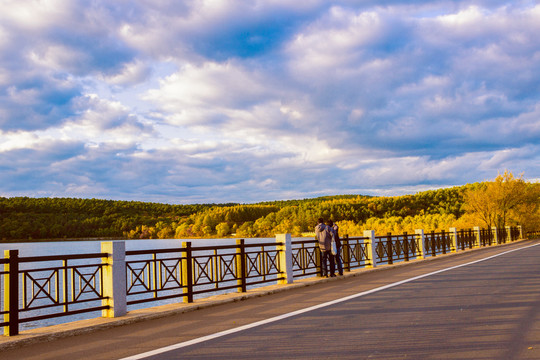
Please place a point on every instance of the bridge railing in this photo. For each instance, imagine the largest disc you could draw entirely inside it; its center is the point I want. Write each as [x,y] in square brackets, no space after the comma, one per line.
[44,287]
[6,298]
[355,252]
[306,258]
[189,271]
[466,239]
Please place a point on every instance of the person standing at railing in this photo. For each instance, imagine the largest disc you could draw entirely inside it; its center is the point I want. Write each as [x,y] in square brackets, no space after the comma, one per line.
[335,233]
[323,235]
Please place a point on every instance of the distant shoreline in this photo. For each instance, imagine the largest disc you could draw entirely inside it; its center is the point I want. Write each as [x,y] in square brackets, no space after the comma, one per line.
[11,241]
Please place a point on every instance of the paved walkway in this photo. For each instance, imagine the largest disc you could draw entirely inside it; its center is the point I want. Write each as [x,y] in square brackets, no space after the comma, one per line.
[368,328]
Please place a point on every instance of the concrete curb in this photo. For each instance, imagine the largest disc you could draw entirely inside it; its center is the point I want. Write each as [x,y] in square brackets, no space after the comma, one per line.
[50,333]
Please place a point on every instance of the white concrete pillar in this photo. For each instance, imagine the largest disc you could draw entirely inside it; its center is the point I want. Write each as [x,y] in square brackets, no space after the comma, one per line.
[477,230]
[508,234]
[421,241]
[114,278]
[284,246]
[495,235]
[453,233]
[371,248]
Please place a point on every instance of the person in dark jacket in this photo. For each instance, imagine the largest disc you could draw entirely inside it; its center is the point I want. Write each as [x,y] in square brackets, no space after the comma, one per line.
[337,257]
[323,235]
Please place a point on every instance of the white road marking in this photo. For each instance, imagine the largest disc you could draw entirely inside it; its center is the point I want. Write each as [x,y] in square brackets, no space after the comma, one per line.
[302,311]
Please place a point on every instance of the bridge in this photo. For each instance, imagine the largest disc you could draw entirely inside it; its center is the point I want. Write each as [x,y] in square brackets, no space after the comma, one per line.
[478,303]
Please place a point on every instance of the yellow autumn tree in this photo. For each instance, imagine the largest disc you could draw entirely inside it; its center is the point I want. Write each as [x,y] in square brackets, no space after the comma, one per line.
[501,202]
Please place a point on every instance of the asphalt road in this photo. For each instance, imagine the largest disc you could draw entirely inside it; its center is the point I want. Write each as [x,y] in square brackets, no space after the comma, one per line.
[484,309]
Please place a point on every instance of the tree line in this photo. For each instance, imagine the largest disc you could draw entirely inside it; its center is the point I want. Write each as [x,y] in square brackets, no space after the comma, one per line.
[506,200]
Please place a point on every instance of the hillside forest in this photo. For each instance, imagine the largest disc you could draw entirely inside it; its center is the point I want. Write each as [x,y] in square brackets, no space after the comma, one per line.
[505,200]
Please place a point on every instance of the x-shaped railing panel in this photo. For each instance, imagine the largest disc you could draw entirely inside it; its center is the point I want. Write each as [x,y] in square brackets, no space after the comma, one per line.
[170,270]
[41,288]
[139,276]
[203,269]
[303,258]
[228,267]
[88,283]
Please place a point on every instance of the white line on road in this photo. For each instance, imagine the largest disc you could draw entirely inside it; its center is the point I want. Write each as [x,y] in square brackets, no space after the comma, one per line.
[302,311]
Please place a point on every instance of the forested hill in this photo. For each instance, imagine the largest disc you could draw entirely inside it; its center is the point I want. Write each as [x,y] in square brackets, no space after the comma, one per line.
[48,218]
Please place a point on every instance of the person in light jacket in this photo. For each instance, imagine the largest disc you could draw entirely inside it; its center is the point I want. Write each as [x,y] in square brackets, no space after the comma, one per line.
[335,233]
[323,235]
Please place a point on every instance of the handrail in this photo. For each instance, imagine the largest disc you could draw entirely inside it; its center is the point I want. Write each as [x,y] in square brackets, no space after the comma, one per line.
[77,283]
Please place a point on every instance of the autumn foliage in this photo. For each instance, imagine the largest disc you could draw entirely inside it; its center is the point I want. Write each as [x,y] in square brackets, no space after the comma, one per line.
[507,200]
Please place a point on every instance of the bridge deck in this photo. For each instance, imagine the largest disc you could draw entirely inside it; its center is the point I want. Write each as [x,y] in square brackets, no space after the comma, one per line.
[489,309]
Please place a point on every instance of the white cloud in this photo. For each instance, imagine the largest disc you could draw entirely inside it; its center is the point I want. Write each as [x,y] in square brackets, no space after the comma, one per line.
[34,15]
[131,74]
[215,101]
[211,85]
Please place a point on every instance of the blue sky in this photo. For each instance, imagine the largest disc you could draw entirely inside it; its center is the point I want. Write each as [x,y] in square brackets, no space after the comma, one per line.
[246,101]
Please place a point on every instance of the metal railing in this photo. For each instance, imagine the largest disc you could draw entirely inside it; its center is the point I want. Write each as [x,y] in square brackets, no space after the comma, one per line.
[438,243]
[354,253]
[392,248]
[53,286]
[306,258]
[4,308]
[466,239]
[44,287]
[185,272]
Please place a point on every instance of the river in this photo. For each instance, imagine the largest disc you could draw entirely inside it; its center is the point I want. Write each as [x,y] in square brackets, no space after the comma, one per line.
[28,249]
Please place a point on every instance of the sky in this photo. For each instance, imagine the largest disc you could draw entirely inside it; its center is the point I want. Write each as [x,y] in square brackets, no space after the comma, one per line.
[217,101]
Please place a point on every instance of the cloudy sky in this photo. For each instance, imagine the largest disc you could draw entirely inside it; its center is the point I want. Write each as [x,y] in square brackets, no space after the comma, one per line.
[245,101]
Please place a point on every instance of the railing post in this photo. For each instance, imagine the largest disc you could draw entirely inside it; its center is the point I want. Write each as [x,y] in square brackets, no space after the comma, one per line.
[318,259]
[443,241]
[346,253]
[370,248]
[241,265]
[11,293]
[114,278]
[462,236]
[406,245]
[477,230]
[187,272]
[389,248]
[433,244]
[453,232]
[421,248]
[284,248]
